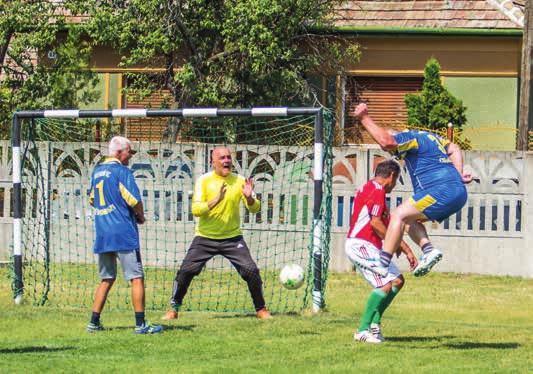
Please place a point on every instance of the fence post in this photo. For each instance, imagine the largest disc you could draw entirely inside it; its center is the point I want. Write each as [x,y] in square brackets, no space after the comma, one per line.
[528,210]
[449,132]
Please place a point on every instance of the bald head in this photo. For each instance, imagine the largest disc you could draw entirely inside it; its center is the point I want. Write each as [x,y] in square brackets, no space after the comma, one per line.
[221,160]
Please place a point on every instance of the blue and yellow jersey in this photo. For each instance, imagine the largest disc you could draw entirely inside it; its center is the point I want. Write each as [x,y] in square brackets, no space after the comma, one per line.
[426,159]
[224,220]
[113,194]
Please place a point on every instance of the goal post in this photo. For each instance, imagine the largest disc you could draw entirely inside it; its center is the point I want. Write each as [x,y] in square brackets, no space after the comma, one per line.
[279,209]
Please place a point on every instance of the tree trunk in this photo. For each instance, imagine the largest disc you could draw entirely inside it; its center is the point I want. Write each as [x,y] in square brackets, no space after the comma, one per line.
[525,121]
[3,49]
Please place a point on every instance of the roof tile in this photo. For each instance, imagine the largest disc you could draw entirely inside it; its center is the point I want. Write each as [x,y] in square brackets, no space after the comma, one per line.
[421,13]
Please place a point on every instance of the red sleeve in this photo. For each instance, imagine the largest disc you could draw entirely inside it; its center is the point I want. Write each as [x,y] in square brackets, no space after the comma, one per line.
[376,204]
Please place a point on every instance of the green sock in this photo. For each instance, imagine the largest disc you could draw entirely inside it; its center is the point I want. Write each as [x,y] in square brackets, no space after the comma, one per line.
[384,305]
[374,300]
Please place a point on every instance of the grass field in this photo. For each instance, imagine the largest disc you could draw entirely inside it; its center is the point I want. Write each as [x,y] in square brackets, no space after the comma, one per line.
[441,323]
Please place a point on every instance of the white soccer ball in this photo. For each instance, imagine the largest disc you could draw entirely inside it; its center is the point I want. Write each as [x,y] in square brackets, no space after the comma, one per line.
[292,276]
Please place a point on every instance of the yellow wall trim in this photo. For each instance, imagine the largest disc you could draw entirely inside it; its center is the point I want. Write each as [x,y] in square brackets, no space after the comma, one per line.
[420,73]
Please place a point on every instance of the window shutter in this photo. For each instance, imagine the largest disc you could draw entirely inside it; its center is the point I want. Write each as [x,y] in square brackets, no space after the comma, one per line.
[385,99]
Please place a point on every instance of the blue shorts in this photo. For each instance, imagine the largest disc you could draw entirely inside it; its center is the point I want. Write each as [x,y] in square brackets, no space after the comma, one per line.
[440,202]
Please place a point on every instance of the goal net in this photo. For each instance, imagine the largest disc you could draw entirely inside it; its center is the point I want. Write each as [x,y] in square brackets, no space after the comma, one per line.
[281,149]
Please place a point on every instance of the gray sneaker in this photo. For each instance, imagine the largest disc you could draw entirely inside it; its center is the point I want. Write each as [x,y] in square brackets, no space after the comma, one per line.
[366,337]
[426,262]
[375,329]
[94,327]
[147,328]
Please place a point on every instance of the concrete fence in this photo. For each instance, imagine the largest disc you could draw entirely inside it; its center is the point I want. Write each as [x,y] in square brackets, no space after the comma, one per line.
[493,234]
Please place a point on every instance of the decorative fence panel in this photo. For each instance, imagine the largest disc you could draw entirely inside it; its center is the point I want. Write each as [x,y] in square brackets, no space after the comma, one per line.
[495,208]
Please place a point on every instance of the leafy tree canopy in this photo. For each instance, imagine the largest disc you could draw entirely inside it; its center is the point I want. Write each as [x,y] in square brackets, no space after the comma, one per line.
[41,66]
[226,53]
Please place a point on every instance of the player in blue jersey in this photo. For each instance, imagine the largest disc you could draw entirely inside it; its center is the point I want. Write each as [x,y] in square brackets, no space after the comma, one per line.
[118,209]
[435,166]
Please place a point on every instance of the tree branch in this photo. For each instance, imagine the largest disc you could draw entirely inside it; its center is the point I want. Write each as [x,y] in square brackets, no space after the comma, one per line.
[3,48]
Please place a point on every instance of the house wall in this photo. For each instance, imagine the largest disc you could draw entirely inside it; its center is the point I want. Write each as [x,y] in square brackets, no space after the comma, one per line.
[458,55]
[492,110]
[482,71]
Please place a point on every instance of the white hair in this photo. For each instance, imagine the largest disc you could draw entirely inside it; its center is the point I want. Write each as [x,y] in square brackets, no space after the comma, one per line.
[118,143]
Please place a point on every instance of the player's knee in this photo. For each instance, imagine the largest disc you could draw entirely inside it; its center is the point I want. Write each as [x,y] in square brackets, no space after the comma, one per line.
[386,288]
[137,281]
[108,281]
[396,216]
[398,282]
[189,270]
[250,272]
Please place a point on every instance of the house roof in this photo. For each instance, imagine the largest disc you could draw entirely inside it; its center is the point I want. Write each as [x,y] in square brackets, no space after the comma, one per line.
[444,14]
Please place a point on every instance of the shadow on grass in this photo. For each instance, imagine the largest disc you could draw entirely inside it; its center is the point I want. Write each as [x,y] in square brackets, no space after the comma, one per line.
[475,345]
[234,315]
[307,332]
[35,349]
[231,315]
[407,339]
[165,328]
[460,345]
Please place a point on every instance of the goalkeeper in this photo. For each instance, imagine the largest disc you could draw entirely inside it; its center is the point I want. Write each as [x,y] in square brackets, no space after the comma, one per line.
[216,202]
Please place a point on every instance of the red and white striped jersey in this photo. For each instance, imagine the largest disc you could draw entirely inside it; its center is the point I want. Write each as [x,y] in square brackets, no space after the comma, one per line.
[369,202]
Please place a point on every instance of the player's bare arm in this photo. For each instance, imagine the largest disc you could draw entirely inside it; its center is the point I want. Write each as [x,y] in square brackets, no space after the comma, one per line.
[378,226]
[379,134]
[456,157]
[404,248]
[248,191]
[138,210]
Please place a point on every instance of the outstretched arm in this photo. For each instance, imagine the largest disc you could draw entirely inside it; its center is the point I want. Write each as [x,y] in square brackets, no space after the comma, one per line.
[456,157]
[379,134]
[252,204]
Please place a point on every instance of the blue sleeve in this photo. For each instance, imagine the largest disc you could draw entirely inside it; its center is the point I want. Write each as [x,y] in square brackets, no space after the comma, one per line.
[407,142]
[128,188]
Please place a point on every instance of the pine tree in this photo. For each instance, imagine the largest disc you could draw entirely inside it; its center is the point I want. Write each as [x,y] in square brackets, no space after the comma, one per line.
[435,106]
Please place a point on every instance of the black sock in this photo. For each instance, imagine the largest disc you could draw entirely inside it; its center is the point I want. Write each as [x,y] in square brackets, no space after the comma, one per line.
[428,247]
[95,318]
[139,318]
[385,258]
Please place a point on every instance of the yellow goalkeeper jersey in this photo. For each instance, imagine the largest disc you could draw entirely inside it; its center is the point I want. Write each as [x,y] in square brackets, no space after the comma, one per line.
[224,220]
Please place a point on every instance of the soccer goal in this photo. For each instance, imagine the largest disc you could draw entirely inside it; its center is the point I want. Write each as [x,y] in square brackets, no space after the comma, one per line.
[287,152]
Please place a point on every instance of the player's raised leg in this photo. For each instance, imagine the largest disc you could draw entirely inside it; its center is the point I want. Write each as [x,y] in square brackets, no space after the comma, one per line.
[430,255]
[404,214]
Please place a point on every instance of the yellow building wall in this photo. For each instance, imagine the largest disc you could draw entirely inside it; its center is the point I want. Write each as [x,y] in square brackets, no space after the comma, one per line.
[458,56]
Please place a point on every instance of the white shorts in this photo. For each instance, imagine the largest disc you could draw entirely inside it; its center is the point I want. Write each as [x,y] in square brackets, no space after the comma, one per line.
[368,251]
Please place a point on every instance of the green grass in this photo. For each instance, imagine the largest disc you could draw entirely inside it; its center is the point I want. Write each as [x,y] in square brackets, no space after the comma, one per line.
[441,323]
